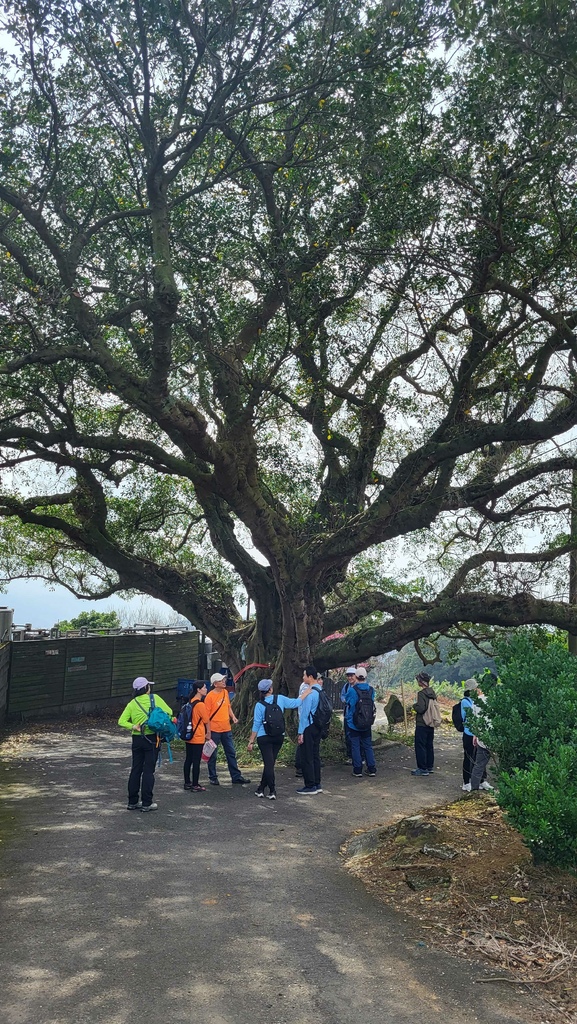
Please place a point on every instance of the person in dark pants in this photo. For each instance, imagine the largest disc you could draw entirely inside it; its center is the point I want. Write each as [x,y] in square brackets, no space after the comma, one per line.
[269,746]
[199,733]
[145,748]
[351,679]
[469,751]
[309,737]
[424,734]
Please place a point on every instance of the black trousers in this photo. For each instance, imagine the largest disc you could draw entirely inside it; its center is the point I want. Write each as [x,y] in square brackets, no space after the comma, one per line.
[141,778]
[311,756]
[469,753]
[424,753]
[269,747]
[192,759]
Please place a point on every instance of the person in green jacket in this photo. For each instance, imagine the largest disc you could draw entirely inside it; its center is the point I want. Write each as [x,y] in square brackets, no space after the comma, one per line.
[144,745]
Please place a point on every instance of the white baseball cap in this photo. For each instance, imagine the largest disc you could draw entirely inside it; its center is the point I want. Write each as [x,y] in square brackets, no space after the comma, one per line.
[351,671]
[216,677]
[361,673]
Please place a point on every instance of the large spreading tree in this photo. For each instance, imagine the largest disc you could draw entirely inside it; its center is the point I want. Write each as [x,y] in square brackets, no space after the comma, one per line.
[288,288]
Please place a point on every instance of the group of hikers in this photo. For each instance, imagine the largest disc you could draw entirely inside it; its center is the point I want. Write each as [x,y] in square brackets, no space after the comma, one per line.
[475,753]
[207,720]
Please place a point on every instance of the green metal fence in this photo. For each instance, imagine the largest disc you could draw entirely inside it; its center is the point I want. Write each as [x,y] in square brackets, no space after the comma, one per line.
[49,675]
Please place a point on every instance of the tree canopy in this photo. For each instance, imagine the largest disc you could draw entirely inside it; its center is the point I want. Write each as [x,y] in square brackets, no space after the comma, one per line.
[91,620]
[288,292]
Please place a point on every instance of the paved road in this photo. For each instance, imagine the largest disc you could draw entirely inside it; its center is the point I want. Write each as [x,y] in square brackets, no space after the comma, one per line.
[218,907]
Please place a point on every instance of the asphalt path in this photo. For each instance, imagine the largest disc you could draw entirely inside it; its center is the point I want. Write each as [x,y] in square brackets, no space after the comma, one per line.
[217,907]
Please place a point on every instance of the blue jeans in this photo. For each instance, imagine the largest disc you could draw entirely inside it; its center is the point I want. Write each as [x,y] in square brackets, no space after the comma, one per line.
[361,746]
[229,752]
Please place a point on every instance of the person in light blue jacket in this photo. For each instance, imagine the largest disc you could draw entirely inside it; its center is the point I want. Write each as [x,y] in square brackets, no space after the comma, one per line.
[269,746]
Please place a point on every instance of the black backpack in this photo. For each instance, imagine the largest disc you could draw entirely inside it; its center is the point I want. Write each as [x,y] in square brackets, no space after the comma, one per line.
[273,720]
[323,713]
[457,716]
[364,711]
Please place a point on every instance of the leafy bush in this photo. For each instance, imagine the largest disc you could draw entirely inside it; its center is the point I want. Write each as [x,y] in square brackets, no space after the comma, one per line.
[529,722]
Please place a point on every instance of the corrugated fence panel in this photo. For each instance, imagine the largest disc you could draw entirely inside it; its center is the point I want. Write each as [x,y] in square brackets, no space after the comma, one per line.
[4,679]
[37,675]
[133,656]
[88,671]
[174,656]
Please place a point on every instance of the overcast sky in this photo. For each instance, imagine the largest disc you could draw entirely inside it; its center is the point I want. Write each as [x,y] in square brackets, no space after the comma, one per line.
[33,602]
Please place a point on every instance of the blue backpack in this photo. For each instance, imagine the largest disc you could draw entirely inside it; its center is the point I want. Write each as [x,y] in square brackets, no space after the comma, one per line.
[161,723]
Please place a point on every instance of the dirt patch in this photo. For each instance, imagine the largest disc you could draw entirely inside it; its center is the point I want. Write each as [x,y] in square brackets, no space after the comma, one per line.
[14,739]
[464,874]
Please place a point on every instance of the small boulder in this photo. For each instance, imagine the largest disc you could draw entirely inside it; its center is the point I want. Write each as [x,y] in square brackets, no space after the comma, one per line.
[394,709]
[442,851]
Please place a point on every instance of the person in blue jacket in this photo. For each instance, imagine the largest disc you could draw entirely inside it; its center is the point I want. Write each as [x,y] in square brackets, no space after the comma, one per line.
[269,746]
[351,679]
[469,751]
[361,736]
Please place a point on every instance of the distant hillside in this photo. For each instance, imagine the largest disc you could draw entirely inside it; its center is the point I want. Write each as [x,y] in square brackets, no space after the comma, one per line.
[460,660]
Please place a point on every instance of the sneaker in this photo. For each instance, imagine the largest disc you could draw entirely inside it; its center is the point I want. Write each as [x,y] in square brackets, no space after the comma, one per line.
[214,782]
[466,787]
[241,782]
[357,775]
[370,771]
[258,792]
[271,796]
[419,771]
[307,791]
[187,785]
[319,789]
[134,807]
[199,789]
[149,807]
[349,760]
[486,786]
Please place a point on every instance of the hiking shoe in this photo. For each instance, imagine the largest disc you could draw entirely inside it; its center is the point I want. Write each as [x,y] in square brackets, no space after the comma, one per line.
[357,775]
[149,807]
[307,791]
[466,787]
[214,782]
[258,792]
[271,796]
[199,789]
[134,807]
[370,771]
[419,771]
[187,785]
[486,786]
[241,782]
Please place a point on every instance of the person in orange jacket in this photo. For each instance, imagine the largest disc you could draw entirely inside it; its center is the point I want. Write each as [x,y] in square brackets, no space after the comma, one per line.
[221,715]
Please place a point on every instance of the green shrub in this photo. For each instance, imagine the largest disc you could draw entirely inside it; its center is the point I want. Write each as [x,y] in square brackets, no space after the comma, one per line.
[541,802]
[529,722]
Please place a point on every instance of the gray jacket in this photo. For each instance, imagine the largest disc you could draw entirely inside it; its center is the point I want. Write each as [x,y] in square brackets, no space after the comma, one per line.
[422,703]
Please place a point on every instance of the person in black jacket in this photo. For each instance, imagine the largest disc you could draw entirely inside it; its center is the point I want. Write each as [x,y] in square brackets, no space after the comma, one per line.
[424,734]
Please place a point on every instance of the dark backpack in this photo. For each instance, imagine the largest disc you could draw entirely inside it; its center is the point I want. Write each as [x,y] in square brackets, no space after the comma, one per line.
[323,713]
[184,722]
[457,716]
[273,720]
[364,711]
[184,719]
